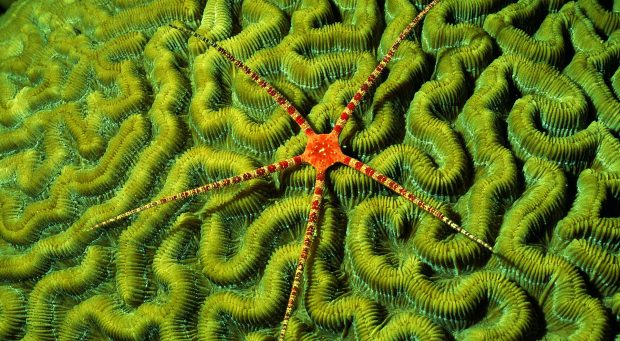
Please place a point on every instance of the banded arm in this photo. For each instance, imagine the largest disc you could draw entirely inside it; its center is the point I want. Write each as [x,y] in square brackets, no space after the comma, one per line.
[311,231]
[400,190]
[370,81]
[285,104]
[259,172]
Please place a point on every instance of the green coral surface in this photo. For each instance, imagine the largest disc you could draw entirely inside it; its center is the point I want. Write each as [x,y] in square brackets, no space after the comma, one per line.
[504,115]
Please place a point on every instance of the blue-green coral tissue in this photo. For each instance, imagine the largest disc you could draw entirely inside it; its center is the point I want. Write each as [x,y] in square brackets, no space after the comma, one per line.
[504,116]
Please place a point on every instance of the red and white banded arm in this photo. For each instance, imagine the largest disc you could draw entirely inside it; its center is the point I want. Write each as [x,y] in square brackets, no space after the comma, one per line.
[400,190]
[311,231]
[285,104]
[370,81]
[259,172]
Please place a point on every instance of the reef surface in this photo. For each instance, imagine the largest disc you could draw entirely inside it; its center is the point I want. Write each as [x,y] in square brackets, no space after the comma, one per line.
[504,115]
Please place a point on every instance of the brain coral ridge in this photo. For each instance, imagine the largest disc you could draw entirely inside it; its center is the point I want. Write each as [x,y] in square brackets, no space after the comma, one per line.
[504,116]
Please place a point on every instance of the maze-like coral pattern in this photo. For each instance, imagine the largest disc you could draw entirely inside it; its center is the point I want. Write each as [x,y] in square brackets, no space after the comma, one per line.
[504,115]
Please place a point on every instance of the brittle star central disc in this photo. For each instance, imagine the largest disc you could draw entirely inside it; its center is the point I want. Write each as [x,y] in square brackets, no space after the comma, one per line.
[322,151]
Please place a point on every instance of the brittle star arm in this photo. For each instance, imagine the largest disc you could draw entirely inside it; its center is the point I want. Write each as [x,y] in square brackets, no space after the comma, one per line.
[259,172]
[368,83]
[285,104]
[400,190]
[311,231]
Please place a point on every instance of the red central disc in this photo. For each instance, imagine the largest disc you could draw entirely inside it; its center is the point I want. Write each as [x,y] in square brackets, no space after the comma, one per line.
[322,151]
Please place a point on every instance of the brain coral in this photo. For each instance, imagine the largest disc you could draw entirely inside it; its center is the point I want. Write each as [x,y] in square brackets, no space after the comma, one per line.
[503,115]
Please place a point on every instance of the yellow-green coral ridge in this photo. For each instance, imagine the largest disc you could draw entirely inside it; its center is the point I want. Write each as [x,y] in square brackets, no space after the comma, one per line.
[504,116]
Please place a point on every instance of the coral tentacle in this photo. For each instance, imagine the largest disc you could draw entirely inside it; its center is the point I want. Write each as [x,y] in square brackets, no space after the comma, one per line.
[402,191]
[259,172]
[284,103]
[311,231]
[370,81]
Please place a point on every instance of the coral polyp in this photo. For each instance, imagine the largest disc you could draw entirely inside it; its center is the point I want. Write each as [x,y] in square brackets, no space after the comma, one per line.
[259,169]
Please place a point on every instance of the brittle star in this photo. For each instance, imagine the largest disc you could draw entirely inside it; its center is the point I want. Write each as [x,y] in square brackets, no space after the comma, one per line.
[322,151]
